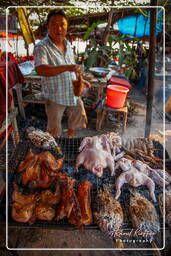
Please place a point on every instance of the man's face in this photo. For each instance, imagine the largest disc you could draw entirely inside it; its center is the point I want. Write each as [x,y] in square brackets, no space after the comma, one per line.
[57,27]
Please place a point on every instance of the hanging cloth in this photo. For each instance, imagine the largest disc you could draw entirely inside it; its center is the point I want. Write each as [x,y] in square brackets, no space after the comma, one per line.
[25,26]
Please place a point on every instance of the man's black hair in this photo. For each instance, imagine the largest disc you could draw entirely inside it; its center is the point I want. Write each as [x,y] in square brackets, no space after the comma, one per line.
[54,13]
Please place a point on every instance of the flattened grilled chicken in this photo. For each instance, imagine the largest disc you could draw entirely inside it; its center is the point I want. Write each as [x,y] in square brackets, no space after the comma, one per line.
[50,162]
[84,198]
[28,162]
[167,206]
[23,212]
[28,208]
[134,178]
[109,216]
[44,212]
[23,206]
[48,197]
[40,169]
[143,214]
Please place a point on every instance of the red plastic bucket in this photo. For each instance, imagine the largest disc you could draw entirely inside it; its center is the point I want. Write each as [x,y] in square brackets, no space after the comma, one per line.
[116,96]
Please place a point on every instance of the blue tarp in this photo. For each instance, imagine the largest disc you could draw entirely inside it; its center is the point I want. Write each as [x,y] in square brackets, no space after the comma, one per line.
[139,25]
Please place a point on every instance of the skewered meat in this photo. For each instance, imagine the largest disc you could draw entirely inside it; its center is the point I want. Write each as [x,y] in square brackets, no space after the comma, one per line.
[167,206]
[84,198]
[155,174]
[109,216]
[143,214]
[43,139]
[134,178]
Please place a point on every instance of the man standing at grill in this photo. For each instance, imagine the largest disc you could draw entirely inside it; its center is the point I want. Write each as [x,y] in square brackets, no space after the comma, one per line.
[54,61]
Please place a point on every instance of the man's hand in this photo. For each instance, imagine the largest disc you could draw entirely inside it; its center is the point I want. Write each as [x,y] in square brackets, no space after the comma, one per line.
[74,68]
[86,84]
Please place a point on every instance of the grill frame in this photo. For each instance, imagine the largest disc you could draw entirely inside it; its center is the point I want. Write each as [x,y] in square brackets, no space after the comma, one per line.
[70,148]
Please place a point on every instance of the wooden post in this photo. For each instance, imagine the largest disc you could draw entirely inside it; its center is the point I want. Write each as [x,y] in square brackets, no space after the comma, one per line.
[151,71]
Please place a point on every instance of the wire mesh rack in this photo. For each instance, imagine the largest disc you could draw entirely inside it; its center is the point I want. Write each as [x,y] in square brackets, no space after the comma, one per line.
[70,147]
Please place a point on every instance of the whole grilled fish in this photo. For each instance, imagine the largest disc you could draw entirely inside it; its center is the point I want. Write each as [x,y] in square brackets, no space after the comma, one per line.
[43,139]
[109,216]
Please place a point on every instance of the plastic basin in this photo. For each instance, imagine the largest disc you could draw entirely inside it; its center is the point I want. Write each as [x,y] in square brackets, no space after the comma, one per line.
[116,96]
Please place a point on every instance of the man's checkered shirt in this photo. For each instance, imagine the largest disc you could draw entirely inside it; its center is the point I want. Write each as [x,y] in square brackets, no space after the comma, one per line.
[58,88]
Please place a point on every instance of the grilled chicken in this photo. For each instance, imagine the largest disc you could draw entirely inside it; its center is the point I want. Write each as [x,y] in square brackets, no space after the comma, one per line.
[44,212]
[28,162]
[23,206]
[18,197]
[84,198]
[109,216]
[43,139]
[39,170]
[23,212]
[134,178]
[49,197]
[143,215]
[28,208]
[50,162]
[167,206]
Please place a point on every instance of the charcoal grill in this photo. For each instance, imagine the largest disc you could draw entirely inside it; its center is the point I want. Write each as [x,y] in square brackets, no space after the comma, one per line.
[70,147]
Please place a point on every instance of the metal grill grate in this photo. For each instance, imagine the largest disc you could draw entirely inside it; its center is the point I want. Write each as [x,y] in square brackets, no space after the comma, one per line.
[70,150]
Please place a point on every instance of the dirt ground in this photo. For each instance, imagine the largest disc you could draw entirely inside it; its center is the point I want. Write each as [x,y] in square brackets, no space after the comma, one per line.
[88,239]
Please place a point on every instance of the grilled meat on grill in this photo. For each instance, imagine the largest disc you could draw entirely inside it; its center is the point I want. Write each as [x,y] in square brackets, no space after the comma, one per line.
[23,206]
[28,162]
[109,216]
[44,212]
[20,198]
[167,206]
[50,162]
[39,170]
[134,178]
[69,206]
[143,214]
[42,139]
[67,200]
[23,212]
[28,208]
[84,198]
